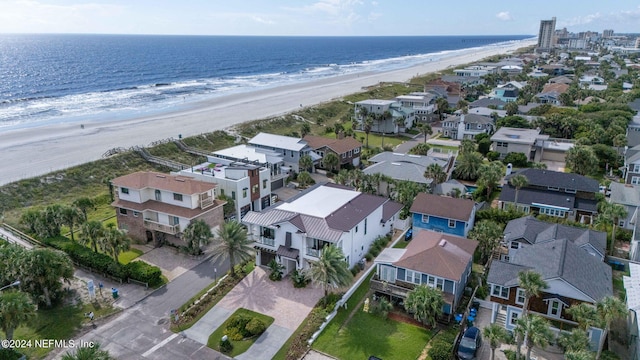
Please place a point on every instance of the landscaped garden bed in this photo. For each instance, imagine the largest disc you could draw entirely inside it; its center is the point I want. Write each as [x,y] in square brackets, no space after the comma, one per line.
[242,329]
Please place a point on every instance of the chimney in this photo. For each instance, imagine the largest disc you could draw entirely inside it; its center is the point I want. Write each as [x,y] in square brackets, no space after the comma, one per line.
[443,242]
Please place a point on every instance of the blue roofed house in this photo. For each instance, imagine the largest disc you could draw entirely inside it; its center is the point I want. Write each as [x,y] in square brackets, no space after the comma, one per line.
[438,260]
[443,214]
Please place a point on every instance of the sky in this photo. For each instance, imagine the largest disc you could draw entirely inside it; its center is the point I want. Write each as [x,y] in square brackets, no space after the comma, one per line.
[315,17]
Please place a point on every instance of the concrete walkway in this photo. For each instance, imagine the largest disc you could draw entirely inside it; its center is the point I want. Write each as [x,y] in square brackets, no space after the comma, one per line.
[129,294]
[287,305]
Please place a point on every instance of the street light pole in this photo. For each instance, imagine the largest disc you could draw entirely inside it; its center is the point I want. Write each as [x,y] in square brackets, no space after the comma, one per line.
[15,283]
[215,272]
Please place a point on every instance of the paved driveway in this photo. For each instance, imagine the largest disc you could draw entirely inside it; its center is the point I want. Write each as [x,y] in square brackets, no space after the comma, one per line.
[287,305]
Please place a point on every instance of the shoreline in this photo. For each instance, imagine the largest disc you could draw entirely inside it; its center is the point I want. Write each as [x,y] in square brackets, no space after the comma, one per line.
[35,151]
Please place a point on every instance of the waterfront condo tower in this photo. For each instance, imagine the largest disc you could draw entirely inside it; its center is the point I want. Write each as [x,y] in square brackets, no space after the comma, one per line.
[545,36]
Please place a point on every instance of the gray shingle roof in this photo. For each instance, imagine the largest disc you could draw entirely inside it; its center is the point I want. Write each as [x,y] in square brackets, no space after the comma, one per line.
[558,179]
[486,102]
[442,206]
[529,196]
[535,231]
[505,274]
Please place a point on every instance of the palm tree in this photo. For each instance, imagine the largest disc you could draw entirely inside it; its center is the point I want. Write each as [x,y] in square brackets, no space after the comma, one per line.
[304,129]
[610,213]
[15,309]
[342,177]
[337,128]
[84,204]
[495,335]
[70,216]
[488,233]
[330,160]
[437,175]
[518,181]
[535,330]
[532,284]
[305,163]
[579,355]
[490,174]
[442,105]
[92,234]
[330,270]
[584,314]
[367,125]
[468,166]
[608,309]
[304,179]
[425,129]
[88,353]
[116,241]
[232,243]
[467,146]
[42,270]
[574,341]
[425,303]
[196,234]
[399,122]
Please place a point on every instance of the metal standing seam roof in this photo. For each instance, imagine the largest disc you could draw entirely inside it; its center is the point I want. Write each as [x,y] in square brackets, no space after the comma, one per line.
[442,206]
[632,287]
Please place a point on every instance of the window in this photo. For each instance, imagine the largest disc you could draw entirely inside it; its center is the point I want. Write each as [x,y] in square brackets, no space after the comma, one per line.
[635,180]
[553,212]
[255,188]
[124,190]
[431,281]
[500,291]
[552,188]
[291,153]
[570,191]
[264,183]
[554,308]
[515,245]
[425,218]
[158,195]
[174,220]
[365,226]
[135,214]
[621,223]
[221,191]
[356,228]
[244,192]
[514,318]
[123,211]
[356,150]
[440,284]
[452,223]
[520,297]
[636,168]
[233,195]
[412,277]
[177,197]
[387,273]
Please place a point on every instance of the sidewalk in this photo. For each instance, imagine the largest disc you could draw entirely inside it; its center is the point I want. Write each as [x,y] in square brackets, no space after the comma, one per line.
[129,294]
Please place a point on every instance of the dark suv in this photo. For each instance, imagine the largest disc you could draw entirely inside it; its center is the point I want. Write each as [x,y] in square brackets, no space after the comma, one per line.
[469,344]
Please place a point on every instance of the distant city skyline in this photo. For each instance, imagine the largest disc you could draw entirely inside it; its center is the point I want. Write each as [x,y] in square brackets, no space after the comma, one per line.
[314,17]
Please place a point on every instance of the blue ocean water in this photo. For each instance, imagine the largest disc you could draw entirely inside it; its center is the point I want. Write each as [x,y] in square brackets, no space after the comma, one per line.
[55,78]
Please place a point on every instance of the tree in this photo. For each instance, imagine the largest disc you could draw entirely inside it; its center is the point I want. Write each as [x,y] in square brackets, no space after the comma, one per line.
[92,234]
[566,100]
[437,175]
[574,341]
[442,106]
[88,353]
[488,234]
[115,242]
[425,129]
[84,204]
[304,179]
[495,335]
[70,215]
[516,159]
[304,129]
[330,160]
[425,303]
[518,181]
[229,208]
[196,234]
[608,309]
[337,129]
[41,272]
[584,314]
[468,166]
[399,122]
[484,146]
[579,355]
[532,283]
[305,163]
[511,108]
[582,160]
[490,174]
[367,125]
[232,243]
[467,146]
[330,270]
[420,149]
[535,330]
[610,213]
[15,309]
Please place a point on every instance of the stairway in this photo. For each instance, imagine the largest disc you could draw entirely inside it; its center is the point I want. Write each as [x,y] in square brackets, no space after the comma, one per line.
[501,319]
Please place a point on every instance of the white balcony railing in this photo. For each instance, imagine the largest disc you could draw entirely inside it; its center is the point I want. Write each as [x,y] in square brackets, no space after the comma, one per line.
[267,241]
[313,252]
[165,228]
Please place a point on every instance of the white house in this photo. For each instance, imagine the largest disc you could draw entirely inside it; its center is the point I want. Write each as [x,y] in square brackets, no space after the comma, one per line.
[296,231]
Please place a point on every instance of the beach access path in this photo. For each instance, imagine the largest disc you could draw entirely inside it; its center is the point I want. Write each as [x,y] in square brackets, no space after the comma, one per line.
[36,151]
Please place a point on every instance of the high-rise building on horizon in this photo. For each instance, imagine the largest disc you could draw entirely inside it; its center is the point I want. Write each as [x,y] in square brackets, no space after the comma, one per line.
[607,33]
[545,36]
[638,43]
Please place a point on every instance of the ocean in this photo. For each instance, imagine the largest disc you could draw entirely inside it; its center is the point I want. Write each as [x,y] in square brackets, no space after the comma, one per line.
[48,79]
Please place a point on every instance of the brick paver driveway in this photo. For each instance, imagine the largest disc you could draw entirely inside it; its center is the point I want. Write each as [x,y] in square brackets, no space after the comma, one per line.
[279,299]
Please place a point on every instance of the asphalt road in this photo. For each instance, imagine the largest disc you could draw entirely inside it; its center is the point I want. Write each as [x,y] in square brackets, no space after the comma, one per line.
[142,331]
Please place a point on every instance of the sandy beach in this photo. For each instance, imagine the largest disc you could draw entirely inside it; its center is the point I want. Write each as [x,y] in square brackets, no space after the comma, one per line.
[36,151]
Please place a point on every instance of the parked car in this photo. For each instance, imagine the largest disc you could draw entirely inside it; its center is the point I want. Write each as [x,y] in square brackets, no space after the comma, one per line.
[408,235]
[469,344]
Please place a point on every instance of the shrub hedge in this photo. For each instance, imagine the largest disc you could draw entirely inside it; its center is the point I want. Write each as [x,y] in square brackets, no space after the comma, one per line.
[136,270]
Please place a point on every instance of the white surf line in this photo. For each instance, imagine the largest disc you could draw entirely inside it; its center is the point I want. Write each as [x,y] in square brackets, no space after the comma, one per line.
[159,345]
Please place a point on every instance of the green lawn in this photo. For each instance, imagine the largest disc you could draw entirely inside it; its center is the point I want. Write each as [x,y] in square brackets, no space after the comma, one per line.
[401,244]
[56,323]
[366,334]
[238,346]
[125,257]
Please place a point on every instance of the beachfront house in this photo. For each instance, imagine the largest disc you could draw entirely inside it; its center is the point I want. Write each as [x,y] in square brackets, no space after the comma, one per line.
[291,148]
[467,126]
[435,259]
[347,149]
[248,185]
[295,231]
[152,206]
[448,215]
[384,115]
[570,260]
[270,159]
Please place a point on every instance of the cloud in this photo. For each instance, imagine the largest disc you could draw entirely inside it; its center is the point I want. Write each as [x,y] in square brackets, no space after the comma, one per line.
[261,20]
[504,16]
[618,18]
[343,12]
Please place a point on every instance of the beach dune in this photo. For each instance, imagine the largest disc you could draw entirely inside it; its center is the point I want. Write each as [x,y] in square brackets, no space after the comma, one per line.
[36,151]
